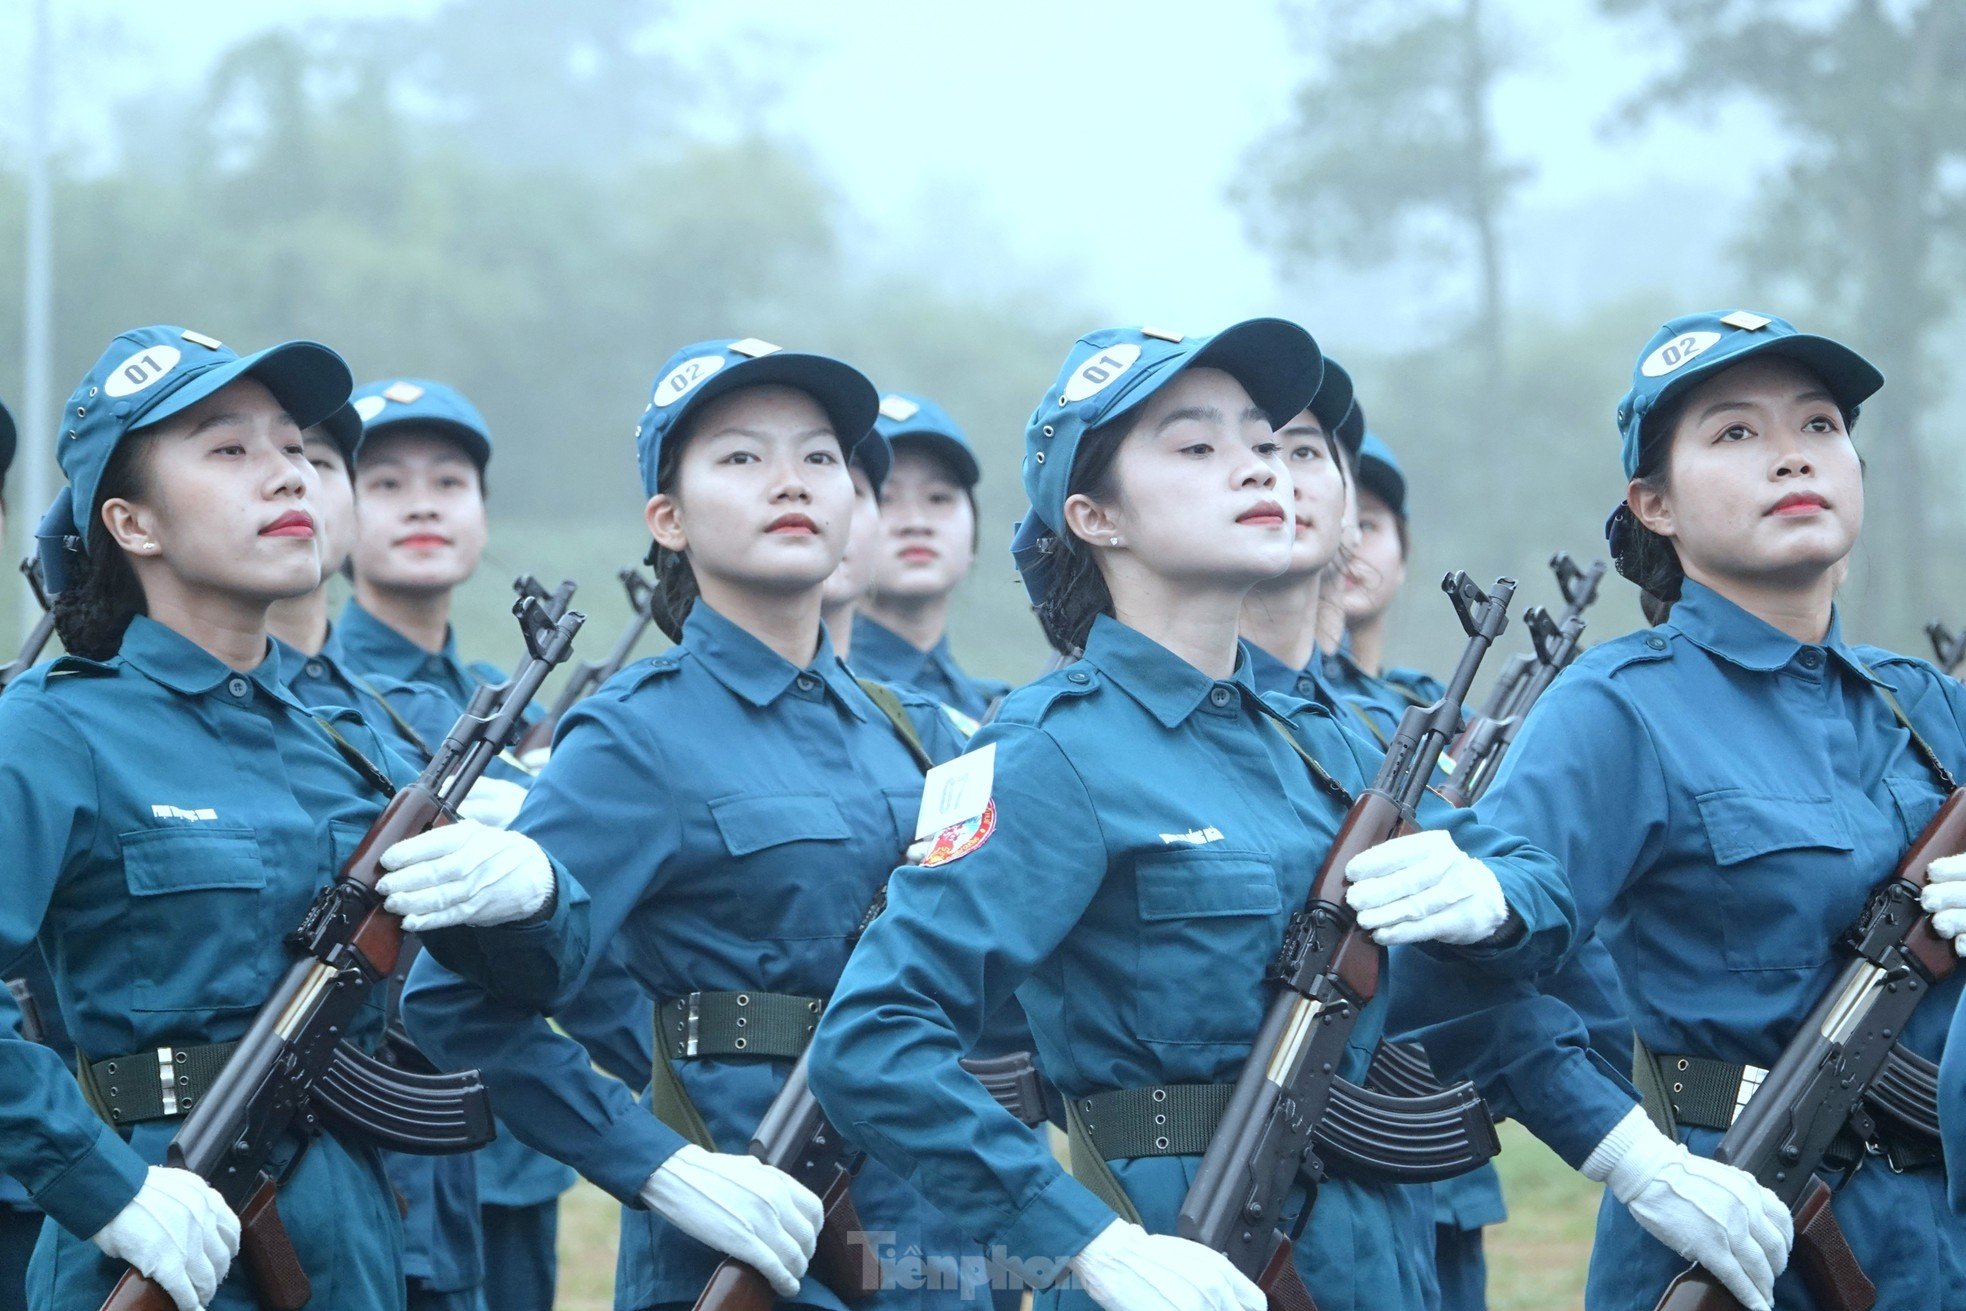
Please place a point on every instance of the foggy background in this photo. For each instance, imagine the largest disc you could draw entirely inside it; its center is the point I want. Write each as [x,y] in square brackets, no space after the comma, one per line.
[1481,207]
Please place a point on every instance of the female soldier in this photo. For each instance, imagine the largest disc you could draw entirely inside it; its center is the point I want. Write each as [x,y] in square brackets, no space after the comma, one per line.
[171,812]
[1279,617]
[928,526]
[737,801]
[1725,789]
[1147,800]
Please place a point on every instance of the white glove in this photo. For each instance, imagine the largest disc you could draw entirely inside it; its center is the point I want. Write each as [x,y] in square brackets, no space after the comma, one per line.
[741,1207]
[1125,1268]
[1945,897]
[465,873]
[1705,1211]
[178,1232]
[1423,888]
[492,801]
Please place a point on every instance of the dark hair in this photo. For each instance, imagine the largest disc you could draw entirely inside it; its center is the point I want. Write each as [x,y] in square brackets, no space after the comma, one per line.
[1078,592]
[94,610]
[675,581]
[1640,555]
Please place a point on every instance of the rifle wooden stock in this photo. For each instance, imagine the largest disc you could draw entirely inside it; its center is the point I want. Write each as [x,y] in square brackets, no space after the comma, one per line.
[841,1260]
[1822,1257]
[279,1282]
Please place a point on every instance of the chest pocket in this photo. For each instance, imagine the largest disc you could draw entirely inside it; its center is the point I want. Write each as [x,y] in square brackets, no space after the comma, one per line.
[905,805]
[1208,927]
[1782,866]
[196,940]
[752,824]
[1917,800]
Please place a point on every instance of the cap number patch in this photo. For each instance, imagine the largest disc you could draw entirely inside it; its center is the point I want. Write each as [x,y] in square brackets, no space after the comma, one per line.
[368,407]
[683,379]
[1099,372]
[141,370]
[1676,352]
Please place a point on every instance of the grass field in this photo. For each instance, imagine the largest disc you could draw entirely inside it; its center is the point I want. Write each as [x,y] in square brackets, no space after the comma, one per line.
[1535,1262]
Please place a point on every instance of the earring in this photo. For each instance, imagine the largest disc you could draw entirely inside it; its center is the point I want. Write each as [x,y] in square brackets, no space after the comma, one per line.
[1114,541]
[150,546]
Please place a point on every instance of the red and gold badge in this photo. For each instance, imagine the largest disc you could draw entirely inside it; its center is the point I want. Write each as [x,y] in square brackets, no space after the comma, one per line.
[958,840]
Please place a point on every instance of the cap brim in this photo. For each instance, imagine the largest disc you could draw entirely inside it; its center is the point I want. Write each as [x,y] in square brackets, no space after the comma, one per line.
[939,445]
[9,441]
[875,458]
[474,443]
[1850,377]
[1277,363]
[1034,563]
[849,399]
[1333,402]
[344,429]
[1384,482]
[309,380]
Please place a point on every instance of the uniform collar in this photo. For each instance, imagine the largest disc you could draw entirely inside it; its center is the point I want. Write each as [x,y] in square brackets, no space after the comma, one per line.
[1169,687]
[368,644]
[166,656]
[1716,625]
[756,672]
[894,652]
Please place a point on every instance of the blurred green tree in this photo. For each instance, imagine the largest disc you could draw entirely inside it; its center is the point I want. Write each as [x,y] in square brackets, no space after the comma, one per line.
[1863,224]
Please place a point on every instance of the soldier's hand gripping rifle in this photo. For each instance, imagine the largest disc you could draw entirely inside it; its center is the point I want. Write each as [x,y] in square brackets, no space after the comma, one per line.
[292,1071]
[39,635]
[591,674]
[1817,1096]
[1327,972]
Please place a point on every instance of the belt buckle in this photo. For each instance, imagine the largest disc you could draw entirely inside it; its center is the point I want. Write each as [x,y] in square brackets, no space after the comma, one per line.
[692,1024]
[167,1079]
[1752,1077]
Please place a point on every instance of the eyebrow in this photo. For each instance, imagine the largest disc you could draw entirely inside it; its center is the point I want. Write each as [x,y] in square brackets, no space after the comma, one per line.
[756,434]
[1207,414]
[1812,396]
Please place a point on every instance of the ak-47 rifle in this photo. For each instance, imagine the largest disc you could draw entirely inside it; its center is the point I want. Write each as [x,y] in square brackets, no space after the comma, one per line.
[589,675]
[37,638]
[1579,588]
[1816,1101]
[795,1136]
[292,1069]
[1327,972]
[1471,762]
[1947,648]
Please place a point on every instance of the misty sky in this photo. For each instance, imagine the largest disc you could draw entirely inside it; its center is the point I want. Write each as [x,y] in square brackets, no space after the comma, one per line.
[1095,143]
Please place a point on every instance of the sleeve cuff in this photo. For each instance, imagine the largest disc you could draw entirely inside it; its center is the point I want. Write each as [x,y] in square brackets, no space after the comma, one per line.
[1052,1228]
[96,1187]
[527,962]
[1574,1112]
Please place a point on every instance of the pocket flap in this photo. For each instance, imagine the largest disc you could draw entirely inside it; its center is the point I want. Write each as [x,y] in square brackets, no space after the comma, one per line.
[754,823]
[1742,825]
[191,858]
[1201,884]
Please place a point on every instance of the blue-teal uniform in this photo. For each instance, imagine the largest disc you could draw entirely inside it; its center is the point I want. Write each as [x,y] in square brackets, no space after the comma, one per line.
[1377,703]
[517,1189]
[1270,674]
[1720,869]
[443,1259]
[1169,830]
[168,821]
[884,655]
[737,814]
[20,1219]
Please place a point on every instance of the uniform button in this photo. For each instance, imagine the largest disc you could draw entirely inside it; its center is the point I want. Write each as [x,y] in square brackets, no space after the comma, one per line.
[1656,642]
[1078,676]
[1812,658]
[1303,685]
[1221,696]
[236,686]
[807,682]
[315,669]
